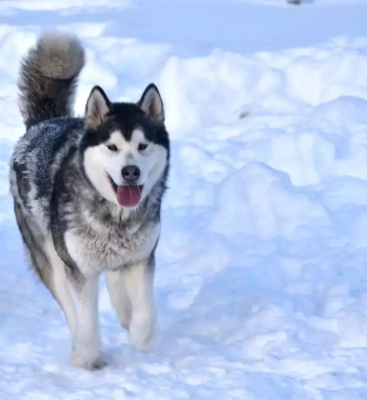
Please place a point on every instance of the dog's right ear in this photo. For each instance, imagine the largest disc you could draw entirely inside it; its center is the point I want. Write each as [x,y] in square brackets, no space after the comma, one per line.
[97,108]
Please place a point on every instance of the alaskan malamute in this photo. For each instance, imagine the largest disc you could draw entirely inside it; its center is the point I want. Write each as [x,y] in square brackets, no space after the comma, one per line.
[87,194]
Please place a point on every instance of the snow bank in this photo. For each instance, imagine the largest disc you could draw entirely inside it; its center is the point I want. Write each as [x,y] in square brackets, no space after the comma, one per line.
[260,201]
[224,84]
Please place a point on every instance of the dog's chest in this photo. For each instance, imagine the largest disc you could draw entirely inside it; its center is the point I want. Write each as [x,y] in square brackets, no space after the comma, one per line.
[97,248]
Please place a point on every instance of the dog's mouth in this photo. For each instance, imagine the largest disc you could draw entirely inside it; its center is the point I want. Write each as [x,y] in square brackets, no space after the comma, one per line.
[127,195]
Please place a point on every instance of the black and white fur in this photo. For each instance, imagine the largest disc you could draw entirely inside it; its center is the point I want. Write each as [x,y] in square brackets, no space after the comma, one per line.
[63,175]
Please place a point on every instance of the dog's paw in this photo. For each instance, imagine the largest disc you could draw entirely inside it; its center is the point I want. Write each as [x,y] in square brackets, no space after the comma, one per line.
[142,332]
[90,363]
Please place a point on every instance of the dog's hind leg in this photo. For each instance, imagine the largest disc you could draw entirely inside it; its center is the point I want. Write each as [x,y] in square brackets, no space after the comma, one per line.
[119,296]
[59,285]
[47,264]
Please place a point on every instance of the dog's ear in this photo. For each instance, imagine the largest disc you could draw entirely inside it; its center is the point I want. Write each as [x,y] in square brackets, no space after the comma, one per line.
[97,108]
[151,103]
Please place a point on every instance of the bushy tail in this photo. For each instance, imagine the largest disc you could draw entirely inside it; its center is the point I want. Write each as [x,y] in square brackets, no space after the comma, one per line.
[48,77]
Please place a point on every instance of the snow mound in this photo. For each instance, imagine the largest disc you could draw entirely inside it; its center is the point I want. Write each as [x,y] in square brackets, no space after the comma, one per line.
[260,201]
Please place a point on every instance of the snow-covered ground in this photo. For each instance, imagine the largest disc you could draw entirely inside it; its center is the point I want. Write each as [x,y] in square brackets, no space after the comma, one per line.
[261,280]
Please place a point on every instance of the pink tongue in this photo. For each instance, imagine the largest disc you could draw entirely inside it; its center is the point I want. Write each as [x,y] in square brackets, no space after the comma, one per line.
[128,195]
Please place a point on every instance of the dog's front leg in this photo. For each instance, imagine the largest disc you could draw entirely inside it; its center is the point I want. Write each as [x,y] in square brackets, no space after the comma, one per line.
[119,296]
[86,337]
[138,280]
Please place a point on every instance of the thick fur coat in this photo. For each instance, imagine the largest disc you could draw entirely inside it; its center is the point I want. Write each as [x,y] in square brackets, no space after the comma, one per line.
[87,194]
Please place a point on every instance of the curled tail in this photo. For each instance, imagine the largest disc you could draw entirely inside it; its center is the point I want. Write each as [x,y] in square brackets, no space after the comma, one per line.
[48,77]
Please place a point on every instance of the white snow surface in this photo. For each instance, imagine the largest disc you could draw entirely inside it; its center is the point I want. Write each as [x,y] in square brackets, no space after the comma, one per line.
[261,279]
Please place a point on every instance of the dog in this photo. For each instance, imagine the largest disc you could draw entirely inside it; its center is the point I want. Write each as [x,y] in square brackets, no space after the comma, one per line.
[87,194]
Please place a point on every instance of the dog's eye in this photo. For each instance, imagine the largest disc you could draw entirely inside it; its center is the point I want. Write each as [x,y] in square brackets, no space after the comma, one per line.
[142,146]
[112,147]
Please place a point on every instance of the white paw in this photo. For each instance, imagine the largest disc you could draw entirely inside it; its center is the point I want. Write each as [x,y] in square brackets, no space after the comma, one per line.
[86,352]
[142,332]
[87,361]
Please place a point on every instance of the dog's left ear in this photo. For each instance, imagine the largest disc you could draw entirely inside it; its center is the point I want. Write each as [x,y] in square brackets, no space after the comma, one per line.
[152,104]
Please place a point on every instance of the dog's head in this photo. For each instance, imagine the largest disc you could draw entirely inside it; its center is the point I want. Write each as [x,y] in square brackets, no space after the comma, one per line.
[125,146]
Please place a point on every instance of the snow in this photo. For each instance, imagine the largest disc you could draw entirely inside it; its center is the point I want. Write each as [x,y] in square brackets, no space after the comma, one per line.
[261,284]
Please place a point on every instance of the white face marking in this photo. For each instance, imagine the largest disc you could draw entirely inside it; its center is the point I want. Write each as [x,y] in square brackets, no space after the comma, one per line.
[100,163]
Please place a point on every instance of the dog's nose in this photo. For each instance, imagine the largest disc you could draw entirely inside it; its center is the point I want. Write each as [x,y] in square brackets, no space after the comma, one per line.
[130,173]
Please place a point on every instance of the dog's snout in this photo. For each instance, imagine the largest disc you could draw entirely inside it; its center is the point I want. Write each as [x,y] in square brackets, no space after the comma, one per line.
[130,173]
